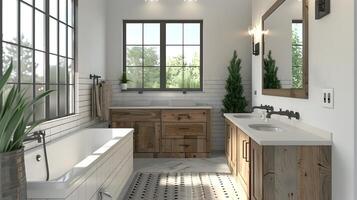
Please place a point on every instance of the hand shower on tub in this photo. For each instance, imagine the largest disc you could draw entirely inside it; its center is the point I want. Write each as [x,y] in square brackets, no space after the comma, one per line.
[40,136]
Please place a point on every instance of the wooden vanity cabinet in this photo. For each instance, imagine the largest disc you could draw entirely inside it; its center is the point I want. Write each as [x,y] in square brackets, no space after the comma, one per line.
[256,171]
[147,129]
[278,172]
[243,175]
[166,133]
[231,147]
[185,133]
[237,153]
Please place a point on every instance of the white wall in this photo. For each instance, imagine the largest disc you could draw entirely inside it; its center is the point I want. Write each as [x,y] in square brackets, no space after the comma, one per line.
[91,59]
[225,25]
[91,37]
[355,110]
[331,65]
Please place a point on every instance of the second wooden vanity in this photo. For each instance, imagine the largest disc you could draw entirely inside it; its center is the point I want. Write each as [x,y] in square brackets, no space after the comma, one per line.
[277,172]
[166,131]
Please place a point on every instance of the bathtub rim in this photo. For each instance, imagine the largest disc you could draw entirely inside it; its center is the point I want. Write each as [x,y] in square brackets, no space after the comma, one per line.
[65,188]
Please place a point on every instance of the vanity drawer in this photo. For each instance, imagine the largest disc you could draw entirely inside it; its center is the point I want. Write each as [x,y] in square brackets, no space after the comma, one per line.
[184,130]
[135,115]
[184,115]
[183,145]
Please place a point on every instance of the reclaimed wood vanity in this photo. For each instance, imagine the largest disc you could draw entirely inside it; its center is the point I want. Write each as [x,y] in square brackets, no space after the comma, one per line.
[274,166]
[174,132]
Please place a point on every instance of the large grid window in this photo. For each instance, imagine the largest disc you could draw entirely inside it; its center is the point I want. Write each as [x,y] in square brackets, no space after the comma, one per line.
[38,35]
[163,55]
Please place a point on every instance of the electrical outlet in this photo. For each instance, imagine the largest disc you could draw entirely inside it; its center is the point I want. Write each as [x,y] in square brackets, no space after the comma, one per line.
[328,98]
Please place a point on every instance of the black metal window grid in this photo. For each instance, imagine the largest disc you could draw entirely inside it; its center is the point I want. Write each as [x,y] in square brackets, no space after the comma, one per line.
[43,52]
[163,66]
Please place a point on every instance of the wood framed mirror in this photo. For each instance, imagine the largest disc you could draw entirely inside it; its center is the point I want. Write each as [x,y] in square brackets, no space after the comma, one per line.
[285,49]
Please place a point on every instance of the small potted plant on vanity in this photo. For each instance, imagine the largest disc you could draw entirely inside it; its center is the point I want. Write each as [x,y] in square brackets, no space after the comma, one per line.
[124,81]
[15,115]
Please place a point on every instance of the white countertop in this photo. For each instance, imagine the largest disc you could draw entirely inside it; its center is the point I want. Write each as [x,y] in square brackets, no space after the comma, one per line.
[161,107]
[300,135]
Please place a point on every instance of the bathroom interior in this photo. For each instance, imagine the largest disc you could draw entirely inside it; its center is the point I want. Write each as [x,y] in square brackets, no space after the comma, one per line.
[178,99]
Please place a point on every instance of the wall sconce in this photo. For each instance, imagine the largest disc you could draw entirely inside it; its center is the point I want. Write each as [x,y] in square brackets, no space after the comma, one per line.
[255,47]
[253,32]
[322,8]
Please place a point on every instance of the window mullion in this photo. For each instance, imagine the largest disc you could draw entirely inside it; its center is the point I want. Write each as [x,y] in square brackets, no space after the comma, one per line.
[67,74]
[143,57]
[33,59]
[18,43]
[183,55]
[162,55]
[47,66]
[1,60]
[58,59]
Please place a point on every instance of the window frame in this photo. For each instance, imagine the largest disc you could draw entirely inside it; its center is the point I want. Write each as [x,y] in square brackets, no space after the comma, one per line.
[163,53]
[47,53]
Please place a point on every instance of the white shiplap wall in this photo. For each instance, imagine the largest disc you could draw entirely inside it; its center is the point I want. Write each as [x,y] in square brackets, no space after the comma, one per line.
[212,95]
[60,127]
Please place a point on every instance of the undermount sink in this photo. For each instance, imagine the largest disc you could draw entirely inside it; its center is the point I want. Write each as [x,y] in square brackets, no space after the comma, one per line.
[244,116]
[265,127]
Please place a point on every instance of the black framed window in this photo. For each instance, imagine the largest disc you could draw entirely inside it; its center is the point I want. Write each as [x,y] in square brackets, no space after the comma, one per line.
[163,54]
[38,35]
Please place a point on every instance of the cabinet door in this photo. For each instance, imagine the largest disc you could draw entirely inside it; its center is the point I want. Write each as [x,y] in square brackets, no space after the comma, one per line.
[233,155]
[227,131]
[229,144]
[244,161]
[256,171]
[147,137]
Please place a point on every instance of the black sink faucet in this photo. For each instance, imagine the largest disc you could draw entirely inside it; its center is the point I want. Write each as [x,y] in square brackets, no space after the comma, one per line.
[266,107]
[288,113]
[38,135]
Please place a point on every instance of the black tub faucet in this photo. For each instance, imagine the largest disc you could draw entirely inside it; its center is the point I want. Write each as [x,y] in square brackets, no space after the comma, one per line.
[38,135]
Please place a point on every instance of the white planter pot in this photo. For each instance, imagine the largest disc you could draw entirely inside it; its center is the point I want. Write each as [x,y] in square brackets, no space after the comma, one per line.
[124,86]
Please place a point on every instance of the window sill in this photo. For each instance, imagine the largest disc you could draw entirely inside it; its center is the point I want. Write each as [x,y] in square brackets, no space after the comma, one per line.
[161,91]
[51,121]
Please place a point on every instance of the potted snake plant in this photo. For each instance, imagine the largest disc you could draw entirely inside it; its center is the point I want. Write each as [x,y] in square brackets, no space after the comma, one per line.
[124,81]
[15,114]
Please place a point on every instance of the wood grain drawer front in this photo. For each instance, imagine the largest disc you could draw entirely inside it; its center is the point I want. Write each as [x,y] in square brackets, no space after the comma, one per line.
[184,130]
[147,137]
[135,115]
[183,145]
[184,115]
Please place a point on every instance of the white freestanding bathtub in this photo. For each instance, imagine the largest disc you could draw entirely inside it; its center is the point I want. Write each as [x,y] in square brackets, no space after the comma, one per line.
[81,164]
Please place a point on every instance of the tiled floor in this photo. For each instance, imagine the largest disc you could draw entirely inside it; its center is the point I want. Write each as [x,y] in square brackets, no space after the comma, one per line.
[217,163]
[183,186]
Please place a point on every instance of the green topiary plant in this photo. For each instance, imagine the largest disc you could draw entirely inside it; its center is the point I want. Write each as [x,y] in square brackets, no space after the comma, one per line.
[15,114]
[234,101]
[270,78]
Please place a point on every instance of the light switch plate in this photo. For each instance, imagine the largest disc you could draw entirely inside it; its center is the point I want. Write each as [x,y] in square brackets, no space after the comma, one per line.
[328,98]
